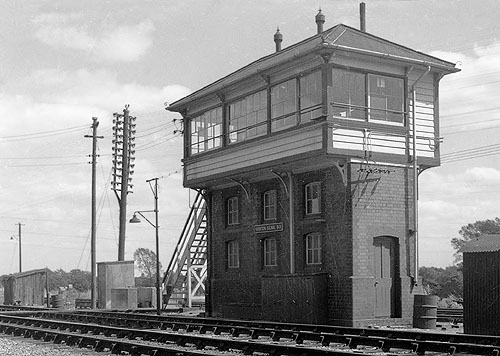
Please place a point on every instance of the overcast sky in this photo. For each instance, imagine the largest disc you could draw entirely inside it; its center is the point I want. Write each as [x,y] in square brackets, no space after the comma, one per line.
[63,62]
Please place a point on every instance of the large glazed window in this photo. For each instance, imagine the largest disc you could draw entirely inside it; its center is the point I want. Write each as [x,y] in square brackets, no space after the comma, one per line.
[310,96]
[284,105]
[248,117]
[367,96]
[348,94]
[206,131]
[385,98]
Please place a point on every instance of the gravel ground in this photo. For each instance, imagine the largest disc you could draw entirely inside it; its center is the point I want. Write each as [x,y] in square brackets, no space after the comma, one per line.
[19,346]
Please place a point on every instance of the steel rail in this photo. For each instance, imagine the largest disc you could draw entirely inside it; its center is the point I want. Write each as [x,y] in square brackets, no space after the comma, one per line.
[385,339]
[93,335]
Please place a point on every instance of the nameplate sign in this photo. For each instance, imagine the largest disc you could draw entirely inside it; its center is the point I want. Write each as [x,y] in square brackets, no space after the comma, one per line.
[274,227]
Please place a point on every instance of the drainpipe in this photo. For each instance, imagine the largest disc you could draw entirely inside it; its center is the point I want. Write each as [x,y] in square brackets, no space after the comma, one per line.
[415,169]
[291,220]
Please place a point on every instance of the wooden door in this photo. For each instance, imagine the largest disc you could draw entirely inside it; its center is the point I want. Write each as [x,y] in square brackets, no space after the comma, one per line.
[384,266]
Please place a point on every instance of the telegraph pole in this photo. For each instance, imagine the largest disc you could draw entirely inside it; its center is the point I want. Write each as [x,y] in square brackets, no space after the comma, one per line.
[20,253]
[122,169]
[94,137]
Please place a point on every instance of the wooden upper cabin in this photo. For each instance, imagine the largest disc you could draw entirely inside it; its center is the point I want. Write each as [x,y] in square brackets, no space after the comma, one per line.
[342,95]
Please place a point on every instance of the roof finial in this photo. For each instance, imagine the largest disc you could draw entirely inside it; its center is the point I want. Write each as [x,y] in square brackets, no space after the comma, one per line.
[320,20]
[278,38]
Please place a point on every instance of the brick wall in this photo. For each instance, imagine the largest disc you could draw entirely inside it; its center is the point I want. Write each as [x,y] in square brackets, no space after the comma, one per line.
[375,202]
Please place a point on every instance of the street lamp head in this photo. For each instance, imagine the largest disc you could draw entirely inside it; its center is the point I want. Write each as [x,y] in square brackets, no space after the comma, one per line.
[135,219]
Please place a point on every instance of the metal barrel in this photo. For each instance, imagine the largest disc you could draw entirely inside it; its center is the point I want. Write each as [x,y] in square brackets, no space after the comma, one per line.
[425,311]
[57,301]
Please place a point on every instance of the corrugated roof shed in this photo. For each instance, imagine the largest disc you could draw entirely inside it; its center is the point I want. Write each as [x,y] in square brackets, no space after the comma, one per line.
[484,243]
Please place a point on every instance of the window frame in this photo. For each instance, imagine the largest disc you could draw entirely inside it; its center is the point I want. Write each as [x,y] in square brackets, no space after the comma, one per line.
[259,125]
[270,252]
[270,208]
[206,131]
[365,111]
[233,254]
[286,116]
[232,211]
[310,209]
[313,253]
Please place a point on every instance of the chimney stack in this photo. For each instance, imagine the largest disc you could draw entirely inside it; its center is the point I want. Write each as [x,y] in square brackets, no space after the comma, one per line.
[278,38]
[320,20]
[362,17]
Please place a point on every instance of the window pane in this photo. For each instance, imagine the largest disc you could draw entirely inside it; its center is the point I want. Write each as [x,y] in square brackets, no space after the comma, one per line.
[310,96]
[313,198]
[386,98]
[206,131]
[284,105]
[313,249]
[348,90]
[233,258]
[270,252]
[269,201]
[232,211]
[248,117]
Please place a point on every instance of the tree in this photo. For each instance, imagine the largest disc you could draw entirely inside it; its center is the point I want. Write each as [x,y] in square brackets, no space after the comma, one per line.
[80,279]
[145,262]
[444,283]
[472,231]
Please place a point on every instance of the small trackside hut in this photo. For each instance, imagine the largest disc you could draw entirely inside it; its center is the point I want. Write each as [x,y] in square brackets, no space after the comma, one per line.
[308,160]
[481,271]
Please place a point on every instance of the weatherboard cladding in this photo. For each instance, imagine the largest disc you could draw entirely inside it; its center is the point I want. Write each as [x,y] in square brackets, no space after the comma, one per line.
[347,38]
[484,243]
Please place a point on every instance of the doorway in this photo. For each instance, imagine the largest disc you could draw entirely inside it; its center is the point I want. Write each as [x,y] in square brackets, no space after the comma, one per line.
[385,264]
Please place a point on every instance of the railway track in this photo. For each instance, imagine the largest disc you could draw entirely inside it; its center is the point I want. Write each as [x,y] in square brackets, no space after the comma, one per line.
[132,333]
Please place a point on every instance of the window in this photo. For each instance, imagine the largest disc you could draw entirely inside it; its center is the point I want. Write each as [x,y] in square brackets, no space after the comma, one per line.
[310,96]
[248,117]
[313,249]
[270,252]
[367,96]
[385,98]
[232,211]
[233,254]
[269,204]
[206,131]
[313,198]
[284,105]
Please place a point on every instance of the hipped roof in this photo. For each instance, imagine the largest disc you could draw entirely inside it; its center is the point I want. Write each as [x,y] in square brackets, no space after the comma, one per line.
[340,37]
[483,243]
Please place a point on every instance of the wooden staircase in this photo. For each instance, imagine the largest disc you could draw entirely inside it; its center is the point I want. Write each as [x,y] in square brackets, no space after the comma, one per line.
[184,279]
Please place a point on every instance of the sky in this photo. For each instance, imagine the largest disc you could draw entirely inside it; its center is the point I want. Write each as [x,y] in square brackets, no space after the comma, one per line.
[63,62]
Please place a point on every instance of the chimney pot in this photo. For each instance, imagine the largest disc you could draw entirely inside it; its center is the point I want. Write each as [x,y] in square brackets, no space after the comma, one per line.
[278,38]
[362,17]
[320,20]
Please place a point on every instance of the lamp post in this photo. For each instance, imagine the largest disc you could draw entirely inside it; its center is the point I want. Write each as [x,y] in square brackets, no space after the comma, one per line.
[136,220]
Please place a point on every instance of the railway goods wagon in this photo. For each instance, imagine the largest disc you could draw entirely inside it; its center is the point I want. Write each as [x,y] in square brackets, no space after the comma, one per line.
[26,288]
[481,271]
[308,160]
